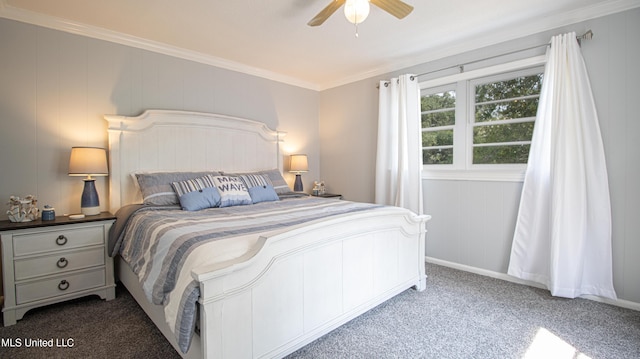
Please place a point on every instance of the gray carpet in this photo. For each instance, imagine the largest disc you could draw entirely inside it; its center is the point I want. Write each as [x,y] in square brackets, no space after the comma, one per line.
[459,315]
[99,329]
[464,315]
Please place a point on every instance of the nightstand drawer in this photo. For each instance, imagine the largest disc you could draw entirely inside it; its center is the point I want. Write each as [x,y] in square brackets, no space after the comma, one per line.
[61,262]
[59,239]
[59,285]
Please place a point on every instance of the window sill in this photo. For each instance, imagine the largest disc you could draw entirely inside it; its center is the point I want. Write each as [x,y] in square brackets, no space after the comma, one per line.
[513,175]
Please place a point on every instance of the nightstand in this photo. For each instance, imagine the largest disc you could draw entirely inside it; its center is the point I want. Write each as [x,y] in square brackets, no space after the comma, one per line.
[46,262]
[328,195]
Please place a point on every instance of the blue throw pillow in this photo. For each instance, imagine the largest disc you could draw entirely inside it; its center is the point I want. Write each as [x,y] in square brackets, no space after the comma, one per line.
[200,199]
[264,193]
[197,193]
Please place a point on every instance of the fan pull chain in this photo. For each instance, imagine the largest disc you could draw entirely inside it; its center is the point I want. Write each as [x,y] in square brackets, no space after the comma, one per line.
[356,30]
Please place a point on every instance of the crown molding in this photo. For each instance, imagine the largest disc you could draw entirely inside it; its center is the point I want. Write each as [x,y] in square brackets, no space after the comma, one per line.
[55,23]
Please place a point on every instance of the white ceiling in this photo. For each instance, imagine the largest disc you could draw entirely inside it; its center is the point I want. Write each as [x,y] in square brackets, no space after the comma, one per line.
[270,38]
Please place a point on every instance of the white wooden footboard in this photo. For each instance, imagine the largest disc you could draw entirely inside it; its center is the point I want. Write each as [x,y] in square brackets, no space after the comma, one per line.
[302,284]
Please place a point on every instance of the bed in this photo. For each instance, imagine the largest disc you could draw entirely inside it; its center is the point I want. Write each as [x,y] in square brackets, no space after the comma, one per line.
[284,272]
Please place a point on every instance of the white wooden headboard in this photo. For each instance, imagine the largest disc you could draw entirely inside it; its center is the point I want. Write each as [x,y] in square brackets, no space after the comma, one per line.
[167,140]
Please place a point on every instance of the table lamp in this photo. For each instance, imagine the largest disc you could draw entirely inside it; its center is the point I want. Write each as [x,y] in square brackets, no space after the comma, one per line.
[89,161]
[298,165]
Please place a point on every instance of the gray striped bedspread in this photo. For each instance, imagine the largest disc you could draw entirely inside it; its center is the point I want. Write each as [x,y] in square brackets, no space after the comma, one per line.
[162,246]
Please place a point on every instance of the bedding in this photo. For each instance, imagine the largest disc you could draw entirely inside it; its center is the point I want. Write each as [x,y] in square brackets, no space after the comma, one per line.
[163,244]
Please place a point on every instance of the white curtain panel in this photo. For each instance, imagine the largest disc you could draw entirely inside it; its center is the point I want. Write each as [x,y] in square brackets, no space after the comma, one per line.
[563,232]
[399,153]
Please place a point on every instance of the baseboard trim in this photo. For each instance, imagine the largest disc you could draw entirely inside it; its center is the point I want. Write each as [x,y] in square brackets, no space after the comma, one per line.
[503,276]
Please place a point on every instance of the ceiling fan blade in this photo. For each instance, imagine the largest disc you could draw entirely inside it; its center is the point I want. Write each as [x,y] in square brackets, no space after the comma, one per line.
[396,8]
[326,12]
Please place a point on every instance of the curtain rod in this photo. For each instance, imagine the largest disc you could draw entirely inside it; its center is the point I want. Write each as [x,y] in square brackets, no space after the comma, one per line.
[586,36]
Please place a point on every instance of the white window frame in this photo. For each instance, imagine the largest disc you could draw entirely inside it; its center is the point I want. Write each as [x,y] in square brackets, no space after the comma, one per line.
[458,127]
[462,168]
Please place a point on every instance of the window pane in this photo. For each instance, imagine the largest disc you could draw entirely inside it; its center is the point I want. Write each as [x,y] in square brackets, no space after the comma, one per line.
[511,99]
[503,133]
[501,154]
[437,156]
[506,110]
[517,87]
[438,109]
[437,119]
[438,101]
[437,138]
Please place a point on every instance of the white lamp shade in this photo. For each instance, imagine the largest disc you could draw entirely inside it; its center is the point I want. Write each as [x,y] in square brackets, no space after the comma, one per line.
[356,11]
[88,161]
[298,163]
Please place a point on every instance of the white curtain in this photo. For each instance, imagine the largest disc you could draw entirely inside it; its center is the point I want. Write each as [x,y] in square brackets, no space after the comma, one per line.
[563,232]
[399,155]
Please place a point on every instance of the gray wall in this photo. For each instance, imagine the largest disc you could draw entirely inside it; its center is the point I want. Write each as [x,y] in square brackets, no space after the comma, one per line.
[55,88]
[473,221]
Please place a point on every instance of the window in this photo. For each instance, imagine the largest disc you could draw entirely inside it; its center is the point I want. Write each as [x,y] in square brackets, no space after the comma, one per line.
[438,122]
[503,111]
[481,123]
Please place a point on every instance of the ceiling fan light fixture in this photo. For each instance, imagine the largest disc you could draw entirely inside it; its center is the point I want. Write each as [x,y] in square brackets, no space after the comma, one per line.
[356,11]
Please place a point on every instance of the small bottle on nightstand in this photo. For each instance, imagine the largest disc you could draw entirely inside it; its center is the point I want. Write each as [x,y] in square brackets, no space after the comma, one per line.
[48,213]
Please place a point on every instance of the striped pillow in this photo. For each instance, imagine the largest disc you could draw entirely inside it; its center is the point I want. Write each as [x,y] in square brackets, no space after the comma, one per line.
[274,175]
[255,180]
[191,185]
[156,188]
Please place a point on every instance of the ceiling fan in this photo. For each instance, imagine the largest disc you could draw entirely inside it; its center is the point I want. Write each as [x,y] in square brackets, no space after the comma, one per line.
[357,10]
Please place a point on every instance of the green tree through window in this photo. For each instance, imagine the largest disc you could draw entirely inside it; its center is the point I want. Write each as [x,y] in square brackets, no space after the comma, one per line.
[438,119]
[505,112]
[491,125]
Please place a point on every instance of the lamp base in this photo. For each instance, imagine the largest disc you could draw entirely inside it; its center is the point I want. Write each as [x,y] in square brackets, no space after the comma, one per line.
[90,203]
[297,185]
[90,211]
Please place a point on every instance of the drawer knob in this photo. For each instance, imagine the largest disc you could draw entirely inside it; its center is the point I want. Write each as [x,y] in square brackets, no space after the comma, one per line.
[62,262]
[63,285]
[61,240]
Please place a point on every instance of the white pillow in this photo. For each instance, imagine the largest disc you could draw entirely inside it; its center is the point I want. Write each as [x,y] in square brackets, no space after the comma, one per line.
[232,191]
